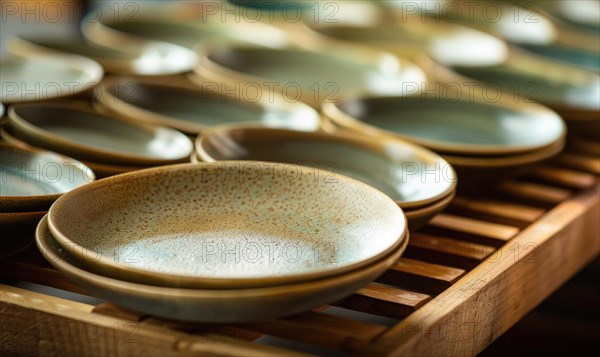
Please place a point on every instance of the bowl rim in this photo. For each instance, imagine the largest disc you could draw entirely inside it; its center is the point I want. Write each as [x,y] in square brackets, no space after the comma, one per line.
[117,269]
[367,143]
[25,204]
[107,155]
[139,114]
[338,117]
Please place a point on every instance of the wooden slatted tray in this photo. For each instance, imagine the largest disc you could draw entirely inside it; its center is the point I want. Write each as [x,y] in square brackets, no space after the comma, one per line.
[465,279]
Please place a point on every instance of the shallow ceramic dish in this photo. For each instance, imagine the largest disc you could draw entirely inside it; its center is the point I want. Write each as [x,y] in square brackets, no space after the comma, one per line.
[193,110]
[32,180]
[395,167]
[473,127]
[17,219]
[111,59]
[312,77]
[447,43]
[176,225]
[1,110]
[100,170]
[77,130]
[213,305]
[419,217]
[156,57]
[46,77]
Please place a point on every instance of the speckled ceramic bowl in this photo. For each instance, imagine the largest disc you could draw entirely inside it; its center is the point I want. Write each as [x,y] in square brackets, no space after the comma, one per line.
[229,224]
[395,167]
[213,305]
[192,110]
[75,129]
[459,127]
[32,180]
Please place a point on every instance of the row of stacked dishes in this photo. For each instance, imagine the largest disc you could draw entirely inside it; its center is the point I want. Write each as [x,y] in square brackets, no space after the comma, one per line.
[273,217]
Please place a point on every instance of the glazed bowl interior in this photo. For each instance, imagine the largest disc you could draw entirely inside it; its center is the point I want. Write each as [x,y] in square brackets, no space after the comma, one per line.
[453,126]
[394,167]
[84,133]
[204,224]
[32,180]
[195,110]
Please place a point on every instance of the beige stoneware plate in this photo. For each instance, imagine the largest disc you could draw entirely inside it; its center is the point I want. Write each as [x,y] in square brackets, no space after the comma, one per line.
[459,127]
[230,224]
[77,130]
[32,179]
[46,77]
[410,175]
[99,169]
[309,76]
[213,305]
[192,110]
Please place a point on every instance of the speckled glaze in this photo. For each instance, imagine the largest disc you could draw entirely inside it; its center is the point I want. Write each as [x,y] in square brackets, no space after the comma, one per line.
[394,167]
[32,79]
[192,110]
[459,127]
[32,179]
[213,305]
[227,224]
[75,129]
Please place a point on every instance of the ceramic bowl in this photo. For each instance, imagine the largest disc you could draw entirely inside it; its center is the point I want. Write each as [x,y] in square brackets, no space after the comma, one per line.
[572,92]
[308,76]
[32,180]
[156,57]
[1,110]
[46,77]
[471,127]
[112,59]
[419,217]
[76,129]
[392,166]
[193,110]
[213,305]
[100,170]
[230,224]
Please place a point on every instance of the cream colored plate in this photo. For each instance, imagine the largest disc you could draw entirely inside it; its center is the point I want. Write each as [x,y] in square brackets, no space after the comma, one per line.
[213,305]
[227,224]
[193,110]
[32,180]
[46,77]
[75,129]
[452,126]
[409,174]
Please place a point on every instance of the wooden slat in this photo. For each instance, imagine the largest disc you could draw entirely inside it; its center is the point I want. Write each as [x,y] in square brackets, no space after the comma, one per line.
[564,177]
[496,294]
[588,164]
[385,301]
[109,309]
[38,324]
[420,276]
[474,227]
[495,210]
[534,192]
[203,329]
[446,251]
[321,329]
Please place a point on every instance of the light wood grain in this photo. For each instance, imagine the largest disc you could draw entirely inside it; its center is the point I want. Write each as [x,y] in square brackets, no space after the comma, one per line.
[495,210]
[565,177]
[590,164]
[534,192]
[496,294]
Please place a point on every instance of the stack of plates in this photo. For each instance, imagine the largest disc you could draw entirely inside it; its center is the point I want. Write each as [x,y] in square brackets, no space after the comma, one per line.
[421,182]
[107,145]
[227,241]
[192,109]
[31,181]
[480,139]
